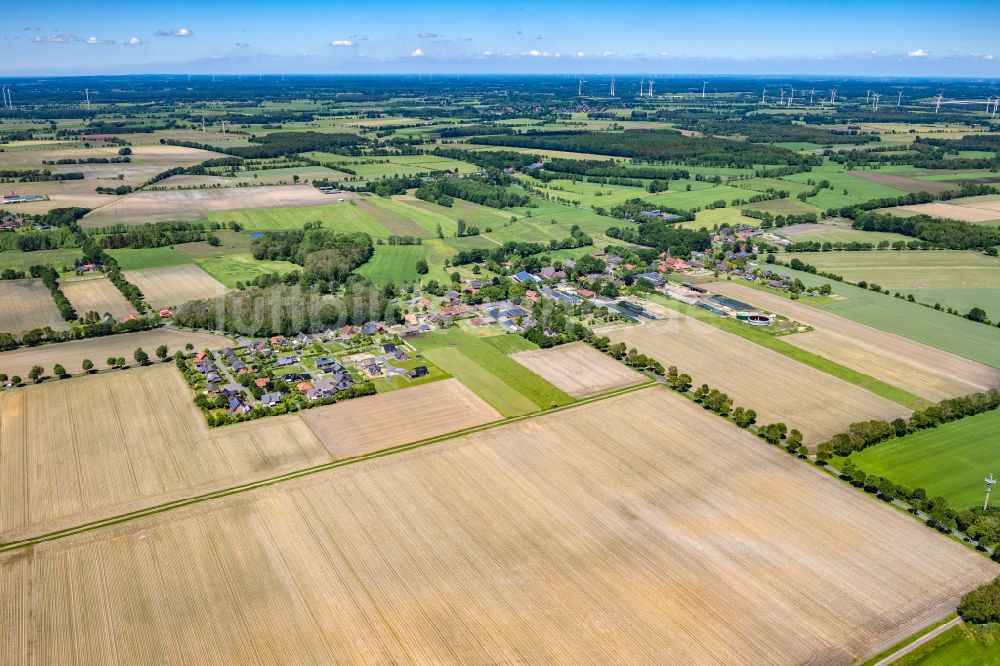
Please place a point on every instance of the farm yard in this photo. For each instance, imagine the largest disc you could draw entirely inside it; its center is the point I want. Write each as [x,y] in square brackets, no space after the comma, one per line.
[27,304]
[778,388]
[173,285]
[377,422]
[928,372]
[71,354]
[78,450]
[578,369]
[509,550]
[96,294]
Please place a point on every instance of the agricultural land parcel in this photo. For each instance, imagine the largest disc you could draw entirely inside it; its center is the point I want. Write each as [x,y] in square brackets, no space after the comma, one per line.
[909,320]
[926,371]
[578,369]
[377,422]
[174,285]
[96,293]
[600,535]
[953,278]
[950,460]
[71,354]
[775,386]
[27,304]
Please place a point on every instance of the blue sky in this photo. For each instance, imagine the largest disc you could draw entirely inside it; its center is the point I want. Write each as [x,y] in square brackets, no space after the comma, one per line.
[888,37]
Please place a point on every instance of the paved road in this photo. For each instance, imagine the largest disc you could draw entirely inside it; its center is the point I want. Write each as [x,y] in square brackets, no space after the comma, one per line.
[224,369]
[929,636]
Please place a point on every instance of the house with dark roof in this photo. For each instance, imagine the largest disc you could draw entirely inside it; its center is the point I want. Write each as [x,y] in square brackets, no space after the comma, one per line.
[285,361]
[370,328]
[271,399]
[524,276]
[419,371]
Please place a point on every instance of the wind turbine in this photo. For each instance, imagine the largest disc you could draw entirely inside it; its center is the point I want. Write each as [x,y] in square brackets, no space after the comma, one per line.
[703,84]
[763,95]
[811,93]
[868,97]
[579,92]
[782,100]
[86,93]
[650,87]
[833,96]
[792,96]
[899,100]
[612,86]
[937,107]
[641,82]
[876,97]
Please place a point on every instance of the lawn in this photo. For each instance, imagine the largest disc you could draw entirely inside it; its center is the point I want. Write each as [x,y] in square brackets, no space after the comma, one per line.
[393,263]
[953,278]
[502,382]
[837,233]
[341,216]
[232,268]
[951,460]
[153,257]
[910,320]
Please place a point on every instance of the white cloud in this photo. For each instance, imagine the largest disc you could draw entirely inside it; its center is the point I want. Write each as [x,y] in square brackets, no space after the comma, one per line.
[918,53]
[31,28]
[988,56]
[62,38]
[427,35]
[607,54]
[579,54]
[343,43]
[486,54]
[534,53]
[173,32]
[417,53]
[133,41]
[94,40]
[242,45]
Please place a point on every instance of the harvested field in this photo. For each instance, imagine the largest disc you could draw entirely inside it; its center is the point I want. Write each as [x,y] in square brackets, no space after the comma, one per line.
[155,206]
[599,535]
[77,450]
[927,371]
[167,286]
[27,304]
[905,183]
[377,422]
[578,369]
[96,294]
[71,354]
[775,386]
[953,212]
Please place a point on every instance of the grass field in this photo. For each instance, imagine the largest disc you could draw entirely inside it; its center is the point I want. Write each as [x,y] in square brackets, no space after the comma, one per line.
[937,329]
[27,304]
[778,388]
[173,285]
[95,293]
[951,460]
[963,645]
[578,369]
[123,440]
[490,373]
[71,354]
[22,261]
[363,425]
[606,534]
[153,257]
[345,217]
[393,263]
[953,278]
[836,233]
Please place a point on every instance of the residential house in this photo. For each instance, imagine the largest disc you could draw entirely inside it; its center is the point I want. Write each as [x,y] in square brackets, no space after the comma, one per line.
[419,371]
[278,341]
[271,399]
[262,382]
[525,277]
[370,328]
[285,361]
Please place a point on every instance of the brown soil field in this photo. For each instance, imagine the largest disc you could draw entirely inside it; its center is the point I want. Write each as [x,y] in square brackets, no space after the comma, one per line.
[578,369]
[926,371]
[640,529]
[963,213]
[27,304]
[96,293]
[372,423]
[905,183]
[167,286]
[775,386]
[71,354]
[154,206]
[76,450]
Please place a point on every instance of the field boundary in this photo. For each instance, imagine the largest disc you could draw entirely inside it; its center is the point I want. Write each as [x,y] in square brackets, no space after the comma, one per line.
[307,471]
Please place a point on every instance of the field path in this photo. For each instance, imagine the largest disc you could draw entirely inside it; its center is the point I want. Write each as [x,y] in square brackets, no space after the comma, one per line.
[929,636]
